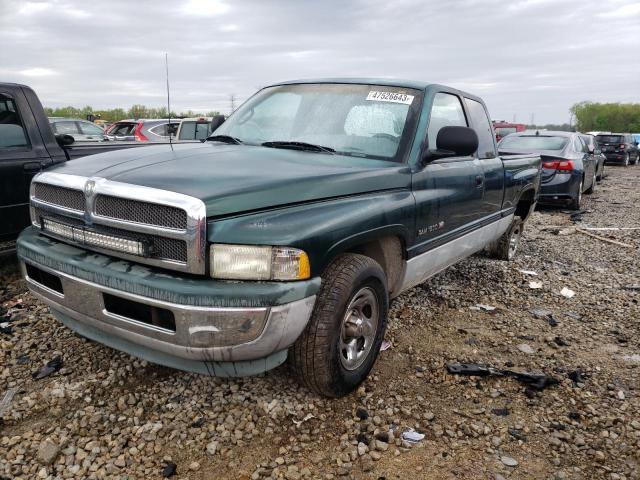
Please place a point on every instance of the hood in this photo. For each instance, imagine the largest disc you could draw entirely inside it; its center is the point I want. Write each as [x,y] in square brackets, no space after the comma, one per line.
[238,178]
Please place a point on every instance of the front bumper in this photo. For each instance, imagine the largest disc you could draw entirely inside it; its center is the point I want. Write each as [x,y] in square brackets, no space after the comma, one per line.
[218,328]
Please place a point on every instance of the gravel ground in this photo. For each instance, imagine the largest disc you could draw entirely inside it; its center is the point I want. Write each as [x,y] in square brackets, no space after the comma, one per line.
[105,414]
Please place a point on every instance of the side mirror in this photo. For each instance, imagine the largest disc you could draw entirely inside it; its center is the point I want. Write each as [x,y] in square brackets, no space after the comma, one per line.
[216,122]
[453,142]
[64,139]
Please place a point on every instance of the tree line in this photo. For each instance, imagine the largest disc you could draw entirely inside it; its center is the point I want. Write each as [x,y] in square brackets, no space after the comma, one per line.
[607,117]
[115,114]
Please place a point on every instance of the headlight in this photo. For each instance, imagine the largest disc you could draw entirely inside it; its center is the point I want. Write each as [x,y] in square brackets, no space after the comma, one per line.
[248,262]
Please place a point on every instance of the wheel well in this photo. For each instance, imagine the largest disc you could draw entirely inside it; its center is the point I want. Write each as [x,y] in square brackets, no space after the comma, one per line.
[389,252]
[523,208]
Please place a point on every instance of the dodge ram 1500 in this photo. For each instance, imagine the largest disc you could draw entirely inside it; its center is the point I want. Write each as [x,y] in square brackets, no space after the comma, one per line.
[284,235]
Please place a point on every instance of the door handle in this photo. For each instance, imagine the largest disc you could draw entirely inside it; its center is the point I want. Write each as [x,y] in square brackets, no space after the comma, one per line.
[479,180]
[32,167]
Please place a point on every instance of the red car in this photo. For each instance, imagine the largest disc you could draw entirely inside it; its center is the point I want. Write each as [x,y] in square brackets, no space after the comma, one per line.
[503,129]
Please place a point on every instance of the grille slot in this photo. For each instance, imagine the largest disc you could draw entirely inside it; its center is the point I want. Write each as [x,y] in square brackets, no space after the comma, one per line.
[62,196]
[141,212]
[163,248]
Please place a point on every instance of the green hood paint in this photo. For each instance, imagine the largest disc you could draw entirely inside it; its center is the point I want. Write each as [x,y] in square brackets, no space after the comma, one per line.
[232,179]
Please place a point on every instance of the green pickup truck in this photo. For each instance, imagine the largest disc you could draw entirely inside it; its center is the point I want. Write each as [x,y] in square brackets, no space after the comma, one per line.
[283,236]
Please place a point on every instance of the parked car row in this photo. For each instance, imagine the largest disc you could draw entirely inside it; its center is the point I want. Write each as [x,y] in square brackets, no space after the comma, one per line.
[572,162]
[142,130]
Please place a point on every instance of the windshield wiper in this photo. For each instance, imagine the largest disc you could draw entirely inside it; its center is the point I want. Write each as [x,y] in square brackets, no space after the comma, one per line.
[224,139]
[298,146]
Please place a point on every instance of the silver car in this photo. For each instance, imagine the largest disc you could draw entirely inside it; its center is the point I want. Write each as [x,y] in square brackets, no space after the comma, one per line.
[80,130]
[144,130]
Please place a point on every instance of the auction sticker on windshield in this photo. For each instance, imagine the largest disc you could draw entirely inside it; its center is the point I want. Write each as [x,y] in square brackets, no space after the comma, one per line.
[390,97]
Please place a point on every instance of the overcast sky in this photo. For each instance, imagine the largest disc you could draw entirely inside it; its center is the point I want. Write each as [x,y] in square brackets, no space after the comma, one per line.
[524,57]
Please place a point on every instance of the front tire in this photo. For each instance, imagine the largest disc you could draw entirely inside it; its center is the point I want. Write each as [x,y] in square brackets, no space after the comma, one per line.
[339,346]
[506,247]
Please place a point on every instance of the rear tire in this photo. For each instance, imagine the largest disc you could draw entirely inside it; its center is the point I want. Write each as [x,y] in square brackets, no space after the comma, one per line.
[506,247]
[577,202]
[339,346]
[626,160]
[593,185]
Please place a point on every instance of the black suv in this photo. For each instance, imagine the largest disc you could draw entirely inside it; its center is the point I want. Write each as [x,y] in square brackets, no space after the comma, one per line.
[619,147]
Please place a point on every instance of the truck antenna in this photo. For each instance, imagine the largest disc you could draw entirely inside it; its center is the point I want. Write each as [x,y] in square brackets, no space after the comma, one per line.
[166,66]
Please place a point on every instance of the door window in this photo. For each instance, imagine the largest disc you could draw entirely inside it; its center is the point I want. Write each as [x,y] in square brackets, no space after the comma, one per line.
[90,129]
[66,128]
[446,111]
[578,145]
[481,124]
[12,132]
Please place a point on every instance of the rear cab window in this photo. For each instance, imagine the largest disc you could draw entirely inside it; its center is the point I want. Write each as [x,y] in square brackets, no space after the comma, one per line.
[13,135]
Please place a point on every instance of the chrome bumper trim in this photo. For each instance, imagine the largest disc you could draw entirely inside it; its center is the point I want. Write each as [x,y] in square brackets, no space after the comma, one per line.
[83,302]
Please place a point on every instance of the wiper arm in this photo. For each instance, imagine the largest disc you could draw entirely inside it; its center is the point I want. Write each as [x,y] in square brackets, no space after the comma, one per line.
[224,139]
[298,146]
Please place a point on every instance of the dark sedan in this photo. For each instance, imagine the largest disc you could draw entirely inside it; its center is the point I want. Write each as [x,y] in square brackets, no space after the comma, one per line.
[568,168]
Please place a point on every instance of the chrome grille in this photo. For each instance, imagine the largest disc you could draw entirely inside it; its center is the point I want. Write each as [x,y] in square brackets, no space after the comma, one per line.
[55,195]
[140,212]
[172,224]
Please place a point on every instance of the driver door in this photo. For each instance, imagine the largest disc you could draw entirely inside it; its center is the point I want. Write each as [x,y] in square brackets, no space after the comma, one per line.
[448,191]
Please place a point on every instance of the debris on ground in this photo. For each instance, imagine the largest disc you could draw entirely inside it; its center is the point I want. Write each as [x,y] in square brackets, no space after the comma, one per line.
[169,470]
[501,412]
[412,436]
[386,345]
[537,381]
[52,366]
[577,376]
[604,239]
[577,216]
[528,272]
[567,292]
[525,348]
[535,285]
[6,400]
[482,307]
[509,461]
[307,417]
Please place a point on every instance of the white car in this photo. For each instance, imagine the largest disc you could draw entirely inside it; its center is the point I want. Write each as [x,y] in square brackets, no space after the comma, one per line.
[80,130]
